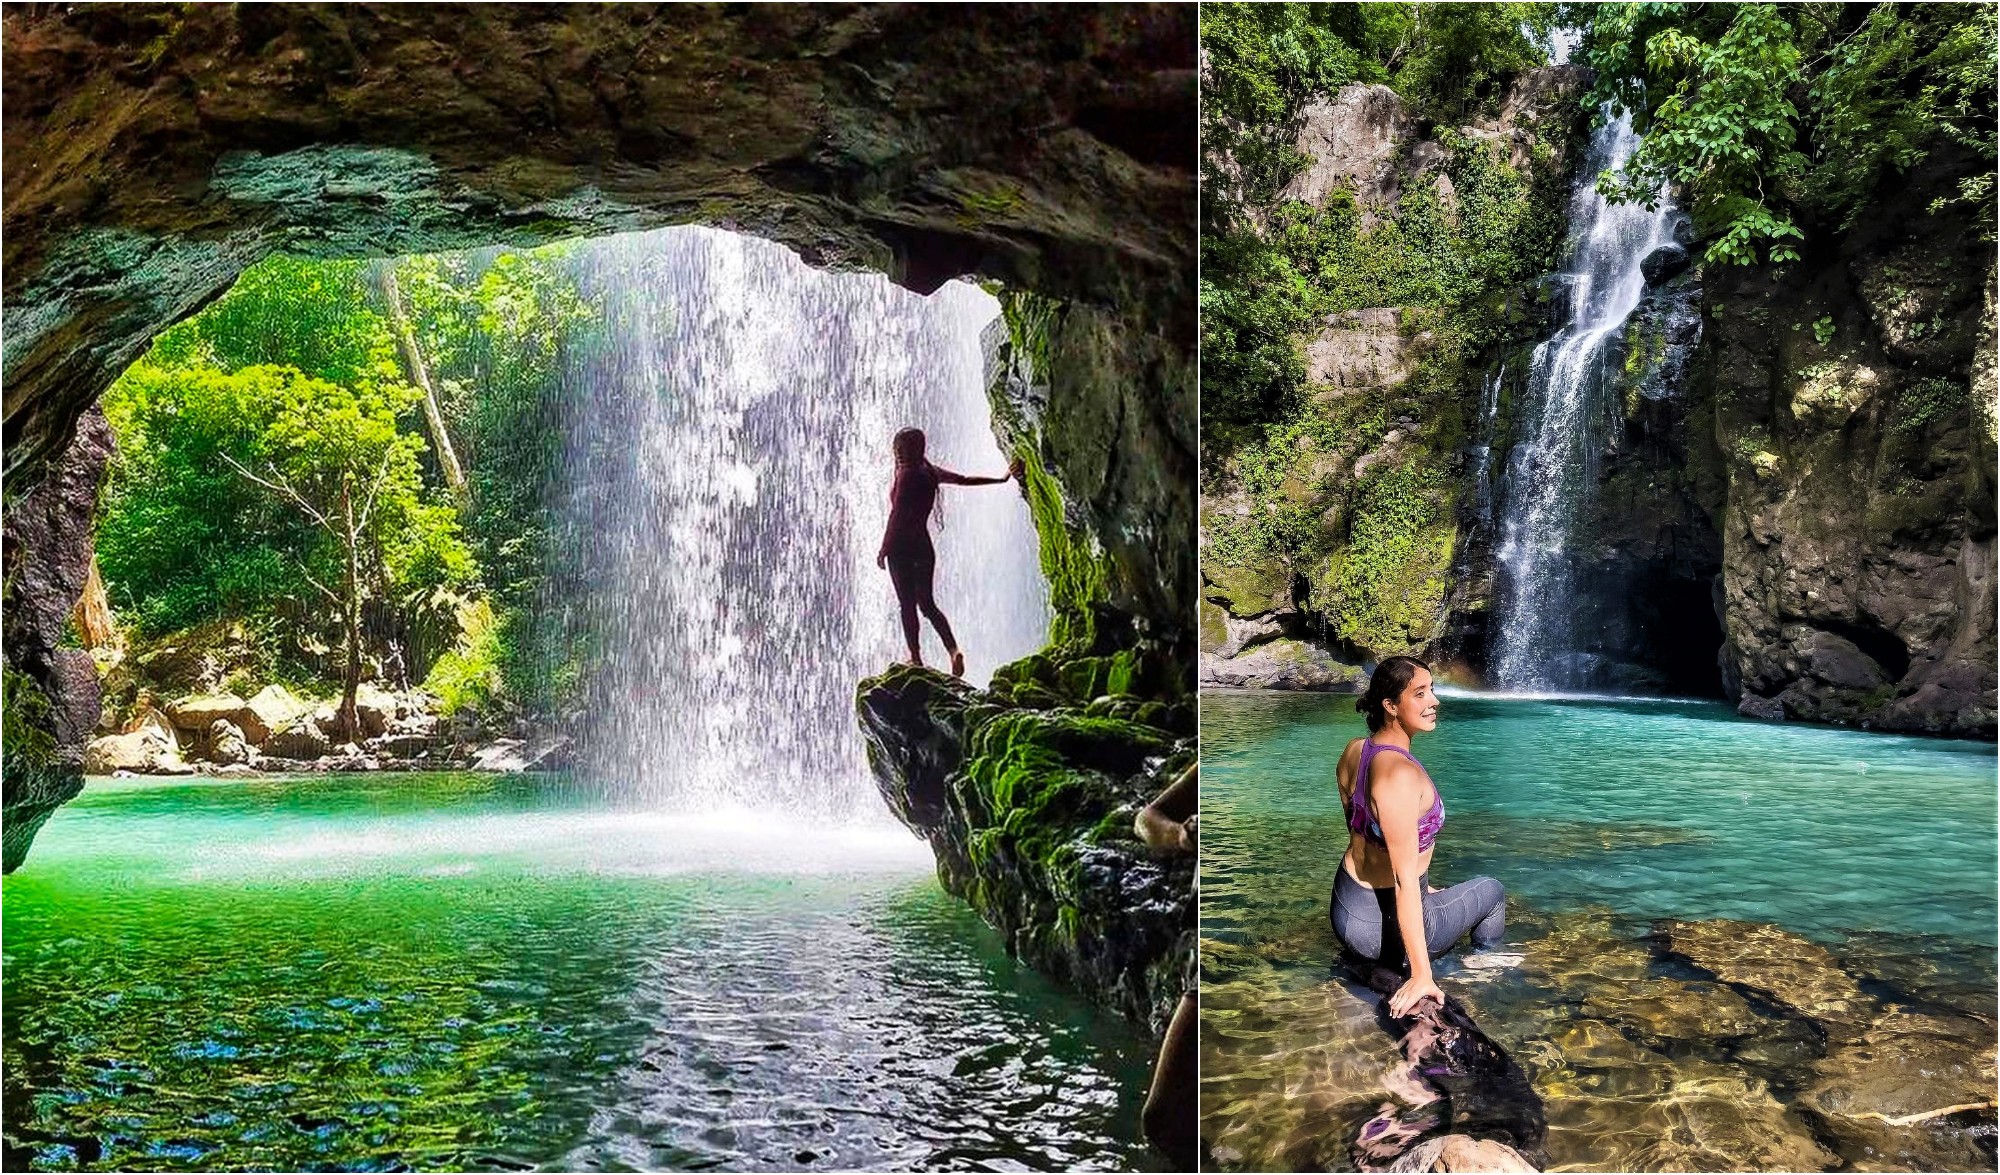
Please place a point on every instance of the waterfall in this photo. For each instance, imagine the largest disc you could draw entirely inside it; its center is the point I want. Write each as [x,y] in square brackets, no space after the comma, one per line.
[1563,421]
[727,469]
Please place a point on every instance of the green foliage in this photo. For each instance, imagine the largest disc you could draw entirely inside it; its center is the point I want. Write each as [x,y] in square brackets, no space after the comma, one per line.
[1928,401]
[185,538]
[1776,117]
[1262,287]
[1266,61]
[469,675]
[295,374]
[1385,590]
[497,329]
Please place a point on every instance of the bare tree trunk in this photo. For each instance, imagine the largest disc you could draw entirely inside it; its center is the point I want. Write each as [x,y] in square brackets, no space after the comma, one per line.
[413,360]
[94,625]
[350,715]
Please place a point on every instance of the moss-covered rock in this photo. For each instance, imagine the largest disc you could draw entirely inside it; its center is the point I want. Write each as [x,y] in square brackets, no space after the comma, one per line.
[1030,811]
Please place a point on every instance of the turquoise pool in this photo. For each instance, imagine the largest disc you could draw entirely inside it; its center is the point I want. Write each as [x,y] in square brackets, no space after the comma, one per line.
[461,971]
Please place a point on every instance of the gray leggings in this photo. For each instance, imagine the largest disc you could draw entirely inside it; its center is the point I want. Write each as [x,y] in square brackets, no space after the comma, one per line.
[1364,917]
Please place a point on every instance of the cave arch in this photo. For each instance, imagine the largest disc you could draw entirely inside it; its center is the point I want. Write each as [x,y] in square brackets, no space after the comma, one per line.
[152,154]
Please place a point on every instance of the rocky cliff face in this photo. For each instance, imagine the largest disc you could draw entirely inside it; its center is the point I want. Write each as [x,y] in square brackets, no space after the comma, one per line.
[153,154]
[51,692]
[1851,399]
[1300,582]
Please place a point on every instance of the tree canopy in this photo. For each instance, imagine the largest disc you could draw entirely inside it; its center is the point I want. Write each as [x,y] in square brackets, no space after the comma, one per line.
[1773,119]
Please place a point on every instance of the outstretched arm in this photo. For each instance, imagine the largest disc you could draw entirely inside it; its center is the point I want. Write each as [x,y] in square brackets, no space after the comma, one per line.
[964,479]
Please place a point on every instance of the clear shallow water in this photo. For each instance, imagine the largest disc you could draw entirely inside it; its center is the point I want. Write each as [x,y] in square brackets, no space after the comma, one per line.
[1604,818]
[458,971]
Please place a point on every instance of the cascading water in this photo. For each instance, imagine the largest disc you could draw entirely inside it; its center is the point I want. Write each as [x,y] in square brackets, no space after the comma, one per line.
[1552,468]
[727,474]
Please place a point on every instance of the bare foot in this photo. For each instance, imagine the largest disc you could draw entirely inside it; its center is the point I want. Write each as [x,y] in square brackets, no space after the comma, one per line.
[916,659]
[957,663]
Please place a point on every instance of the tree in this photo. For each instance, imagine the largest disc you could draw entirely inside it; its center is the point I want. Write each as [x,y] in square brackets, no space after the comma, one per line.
[335,454]
[1773,118]
[383,273]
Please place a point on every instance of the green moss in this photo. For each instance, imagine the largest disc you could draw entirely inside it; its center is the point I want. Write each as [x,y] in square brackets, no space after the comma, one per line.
[1928,401]
[27,722]
[998,202]
[1385,590]
[1073,564]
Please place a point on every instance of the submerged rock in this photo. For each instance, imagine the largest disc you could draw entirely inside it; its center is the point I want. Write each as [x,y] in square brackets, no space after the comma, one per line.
[1029,812]
[1916,1089]
[1778,965]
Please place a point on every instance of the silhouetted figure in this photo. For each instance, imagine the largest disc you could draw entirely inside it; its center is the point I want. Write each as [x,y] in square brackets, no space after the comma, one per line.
[906,545]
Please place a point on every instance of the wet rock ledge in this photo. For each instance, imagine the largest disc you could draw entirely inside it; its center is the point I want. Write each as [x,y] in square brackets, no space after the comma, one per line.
[1027,791]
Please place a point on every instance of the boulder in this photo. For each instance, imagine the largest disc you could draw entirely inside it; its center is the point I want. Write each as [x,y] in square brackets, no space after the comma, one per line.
[225,743]
[377,708]
[146,751]
[1460,1152]
[1029,813]
[274,708]
[303,739]
[1663,263]
[195,712]
[1752,706]
[1360,349]
[502,754]
[1283,664]
[1355,141]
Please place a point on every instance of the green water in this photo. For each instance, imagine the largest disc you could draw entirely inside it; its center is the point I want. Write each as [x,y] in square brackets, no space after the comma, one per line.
[1603,817]
[392,971]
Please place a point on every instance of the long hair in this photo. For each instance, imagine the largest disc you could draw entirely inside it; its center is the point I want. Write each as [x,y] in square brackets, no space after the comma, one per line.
[1386,684]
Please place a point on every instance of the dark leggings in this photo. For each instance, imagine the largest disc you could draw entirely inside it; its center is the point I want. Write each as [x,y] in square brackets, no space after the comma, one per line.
[910,572]
[1364,918]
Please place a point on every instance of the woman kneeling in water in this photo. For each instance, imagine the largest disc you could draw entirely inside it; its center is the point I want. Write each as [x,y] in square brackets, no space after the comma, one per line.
[1382,907]
[906,545]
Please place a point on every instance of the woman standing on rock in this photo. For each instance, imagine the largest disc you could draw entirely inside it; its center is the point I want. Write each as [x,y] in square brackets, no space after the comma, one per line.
[1382,908]
[906,545]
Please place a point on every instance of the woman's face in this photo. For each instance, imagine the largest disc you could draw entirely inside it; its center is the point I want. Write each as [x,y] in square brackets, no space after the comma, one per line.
[1417,708]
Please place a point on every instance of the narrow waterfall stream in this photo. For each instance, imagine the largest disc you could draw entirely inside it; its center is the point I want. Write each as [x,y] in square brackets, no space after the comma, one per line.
[728,476]
[1551,471]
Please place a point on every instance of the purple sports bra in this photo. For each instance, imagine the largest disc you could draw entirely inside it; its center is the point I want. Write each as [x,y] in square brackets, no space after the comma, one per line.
[1362,821]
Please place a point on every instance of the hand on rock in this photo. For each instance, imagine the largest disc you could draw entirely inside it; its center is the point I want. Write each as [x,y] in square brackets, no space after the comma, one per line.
[1412,993]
